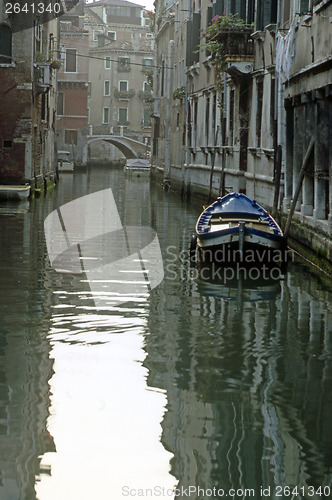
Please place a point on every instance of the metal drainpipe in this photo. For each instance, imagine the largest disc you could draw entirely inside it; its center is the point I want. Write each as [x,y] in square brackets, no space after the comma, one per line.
[222,190]
[187,151]
[168,111]
[277,127]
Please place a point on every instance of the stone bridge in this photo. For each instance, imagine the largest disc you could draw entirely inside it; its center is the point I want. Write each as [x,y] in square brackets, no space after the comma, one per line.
[129,147]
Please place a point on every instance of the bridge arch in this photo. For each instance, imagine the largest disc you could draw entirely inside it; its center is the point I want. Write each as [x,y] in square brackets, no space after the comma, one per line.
[130,148]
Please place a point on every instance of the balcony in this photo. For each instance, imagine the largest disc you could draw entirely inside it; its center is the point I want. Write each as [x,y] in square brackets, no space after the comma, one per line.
[124,94]
[237,44]
[43,76]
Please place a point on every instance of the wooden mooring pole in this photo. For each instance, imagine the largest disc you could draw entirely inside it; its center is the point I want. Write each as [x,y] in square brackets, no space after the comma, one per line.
[299,185]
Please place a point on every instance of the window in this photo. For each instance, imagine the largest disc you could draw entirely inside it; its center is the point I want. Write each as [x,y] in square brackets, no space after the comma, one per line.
[107,87]
[259,101]
[96,33]
[123,116]
[111,35]
[123,85]
[266,13]
[71,136]
[123,64]
[147,64]
[88,113]
[194,39]
[162,78]
[89,89]
[71,61]
[60,104]
[231,117]
[147,118]
[5,44]
[147,87]
[7,144]
[44,108]
[62,53]
[149,35]
[272,107]
[107,62]
[207,120]
[106,115]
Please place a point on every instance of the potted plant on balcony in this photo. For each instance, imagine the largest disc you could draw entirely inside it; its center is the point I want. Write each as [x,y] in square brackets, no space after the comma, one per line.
[179,93]
[55,64]
[224,34]
[40,57]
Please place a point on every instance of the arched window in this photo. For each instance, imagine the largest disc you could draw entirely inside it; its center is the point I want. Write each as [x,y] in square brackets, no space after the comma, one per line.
[5,44]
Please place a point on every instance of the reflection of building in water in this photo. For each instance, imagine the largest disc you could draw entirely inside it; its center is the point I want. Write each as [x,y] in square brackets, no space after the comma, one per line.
[25,366]
[248,383]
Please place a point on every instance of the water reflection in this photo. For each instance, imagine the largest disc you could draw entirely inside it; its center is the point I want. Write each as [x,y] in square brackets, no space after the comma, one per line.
[194,384]
[105,423]
[25,365]
[247,372]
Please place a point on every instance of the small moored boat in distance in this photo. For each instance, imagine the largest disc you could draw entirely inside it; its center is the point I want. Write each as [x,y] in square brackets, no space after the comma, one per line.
[20,192]
[65,164]
[137,166]
[235,229]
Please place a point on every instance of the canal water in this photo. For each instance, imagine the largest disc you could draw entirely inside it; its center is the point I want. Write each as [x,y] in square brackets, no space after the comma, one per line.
[169,384]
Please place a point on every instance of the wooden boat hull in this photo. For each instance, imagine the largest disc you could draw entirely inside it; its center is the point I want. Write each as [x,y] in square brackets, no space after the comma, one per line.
[236,229]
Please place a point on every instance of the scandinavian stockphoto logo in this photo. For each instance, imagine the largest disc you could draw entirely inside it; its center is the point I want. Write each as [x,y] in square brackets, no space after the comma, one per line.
[22,14]
[86,237]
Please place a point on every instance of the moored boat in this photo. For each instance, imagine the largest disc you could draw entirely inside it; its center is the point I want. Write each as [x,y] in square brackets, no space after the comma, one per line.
[137,166]
[65,164]
[18,192]
[236,229]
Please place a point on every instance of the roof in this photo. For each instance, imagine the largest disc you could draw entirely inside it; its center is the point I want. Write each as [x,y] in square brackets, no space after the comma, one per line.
[122,3]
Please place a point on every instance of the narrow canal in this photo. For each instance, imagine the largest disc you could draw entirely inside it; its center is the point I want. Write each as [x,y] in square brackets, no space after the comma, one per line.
[190,389]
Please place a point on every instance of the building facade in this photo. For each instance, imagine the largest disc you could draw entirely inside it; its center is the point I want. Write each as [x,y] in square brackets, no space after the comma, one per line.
[238,113]
[72,106]
[307,87]
[28,88]
[121,63]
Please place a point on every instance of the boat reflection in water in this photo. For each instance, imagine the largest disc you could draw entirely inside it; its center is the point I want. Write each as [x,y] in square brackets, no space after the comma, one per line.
[239,284]
[246,366]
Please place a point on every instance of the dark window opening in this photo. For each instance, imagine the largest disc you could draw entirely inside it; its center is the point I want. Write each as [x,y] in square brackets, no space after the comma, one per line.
[259,112]
[71,66]
[162,78]
[272,107]
[231,117]
[43,111]
[147,118]
[5,44]
[207,121]
[6,144]
[60,104]
[123,64]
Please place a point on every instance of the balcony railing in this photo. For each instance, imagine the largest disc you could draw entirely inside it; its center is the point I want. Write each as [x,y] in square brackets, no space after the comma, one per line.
[124,94]
[236,41]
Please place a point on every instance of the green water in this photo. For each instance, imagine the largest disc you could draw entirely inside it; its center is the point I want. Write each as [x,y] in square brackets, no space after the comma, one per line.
[194,389]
